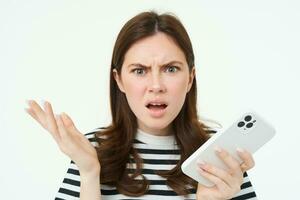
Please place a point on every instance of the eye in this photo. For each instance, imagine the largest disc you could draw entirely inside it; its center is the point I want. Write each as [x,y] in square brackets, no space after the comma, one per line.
[173,68]
[138,70]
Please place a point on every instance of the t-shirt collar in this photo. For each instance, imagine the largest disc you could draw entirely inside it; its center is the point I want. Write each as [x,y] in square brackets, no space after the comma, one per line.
[155,139]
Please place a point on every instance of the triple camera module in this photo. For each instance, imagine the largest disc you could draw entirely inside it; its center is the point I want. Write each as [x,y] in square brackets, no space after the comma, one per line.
[247,122]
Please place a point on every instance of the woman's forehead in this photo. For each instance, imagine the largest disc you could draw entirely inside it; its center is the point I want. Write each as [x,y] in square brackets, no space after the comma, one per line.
[158,48]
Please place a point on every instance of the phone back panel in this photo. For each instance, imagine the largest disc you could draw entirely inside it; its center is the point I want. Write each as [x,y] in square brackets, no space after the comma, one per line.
[249,132]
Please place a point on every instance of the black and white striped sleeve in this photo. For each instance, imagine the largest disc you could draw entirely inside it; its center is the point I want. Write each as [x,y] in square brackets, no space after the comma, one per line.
[247,190]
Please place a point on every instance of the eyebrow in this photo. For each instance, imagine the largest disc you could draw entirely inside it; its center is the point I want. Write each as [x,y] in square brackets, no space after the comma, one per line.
[141,65]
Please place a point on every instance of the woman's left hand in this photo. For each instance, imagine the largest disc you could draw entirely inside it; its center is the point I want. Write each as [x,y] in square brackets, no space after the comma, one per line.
[227,182]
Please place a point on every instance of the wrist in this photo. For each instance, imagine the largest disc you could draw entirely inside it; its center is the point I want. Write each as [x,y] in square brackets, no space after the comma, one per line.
[91,176]
[205,197]
[94,172]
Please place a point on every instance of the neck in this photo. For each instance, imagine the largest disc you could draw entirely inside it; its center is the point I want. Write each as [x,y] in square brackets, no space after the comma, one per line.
[158,132]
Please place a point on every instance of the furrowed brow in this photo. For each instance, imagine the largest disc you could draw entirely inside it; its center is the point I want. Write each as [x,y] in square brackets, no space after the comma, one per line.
[169,63]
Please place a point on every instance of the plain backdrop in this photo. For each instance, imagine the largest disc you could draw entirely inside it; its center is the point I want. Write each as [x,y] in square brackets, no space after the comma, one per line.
[247,57]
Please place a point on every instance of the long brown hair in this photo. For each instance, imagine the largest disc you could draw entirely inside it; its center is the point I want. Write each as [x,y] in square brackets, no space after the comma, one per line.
[117,144]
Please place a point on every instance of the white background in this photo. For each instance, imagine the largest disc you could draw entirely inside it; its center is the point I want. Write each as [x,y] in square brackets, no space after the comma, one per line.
[247,57]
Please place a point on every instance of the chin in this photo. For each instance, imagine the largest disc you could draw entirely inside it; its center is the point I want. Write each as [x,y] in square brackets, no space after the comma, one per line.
[156,124]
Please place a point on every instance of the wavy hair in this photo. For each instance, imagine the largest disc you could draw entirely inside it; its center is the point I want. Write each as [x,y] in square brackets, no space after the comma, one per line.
[116,140]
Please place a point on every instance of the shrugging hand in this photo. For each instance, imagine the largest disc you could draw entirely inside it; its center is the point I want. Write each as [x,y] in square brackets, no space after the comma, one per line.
[70,141]
[227,182]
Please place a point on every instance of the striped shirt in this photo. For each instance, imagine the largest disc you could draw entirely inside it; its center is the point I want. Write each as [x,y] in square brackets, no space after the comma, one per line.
[158,153]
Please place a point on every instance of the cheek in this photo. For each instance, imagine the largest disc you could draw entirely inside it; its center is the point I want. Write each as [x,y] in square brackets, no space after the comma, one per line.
[134,92]
[178,87]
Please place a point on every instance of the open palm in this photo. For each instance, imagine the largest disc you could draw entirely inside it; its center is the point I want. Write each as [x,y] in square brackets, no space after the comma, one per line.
[70,141]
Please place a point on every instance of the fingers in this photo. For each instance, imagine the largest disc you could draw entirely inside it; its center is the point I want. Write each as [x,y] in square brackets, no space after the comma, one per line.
[44,118]
[68,122]
[32,114]
[223,188]
[232,163]
[248,161]
[219,177]
[51,122]
[234,168]
[36,112]
[61,127]
[227,181]
[71,128]
[64,143]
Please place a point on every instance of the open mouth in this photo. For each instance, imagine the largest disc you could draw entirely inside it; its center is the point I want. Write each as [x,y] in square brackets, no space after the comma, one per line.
[156,109]
[156,106]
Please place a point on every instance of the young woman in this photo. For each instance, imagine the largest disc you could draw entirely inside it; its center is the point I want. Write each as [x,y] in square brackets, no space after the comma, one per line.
[154,127]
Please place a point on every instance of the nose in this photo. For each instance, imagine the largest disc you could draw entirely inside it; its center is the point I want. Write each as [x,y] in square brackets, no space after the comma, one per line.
[156,85]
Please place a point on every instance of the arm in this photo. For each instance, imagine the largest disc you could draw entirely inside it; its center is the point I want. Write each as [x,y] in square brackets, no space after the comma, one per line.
[77,147]
[90,186]
[80,185]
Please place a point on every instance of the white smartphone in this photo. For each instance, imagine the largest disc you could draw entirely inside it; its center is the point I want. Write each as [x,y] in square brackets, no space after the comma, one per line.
[249,132]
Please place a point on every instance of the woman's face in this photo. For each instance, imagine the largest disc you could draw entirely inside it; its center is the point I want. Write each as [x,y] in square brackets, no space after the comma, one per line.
[145,76]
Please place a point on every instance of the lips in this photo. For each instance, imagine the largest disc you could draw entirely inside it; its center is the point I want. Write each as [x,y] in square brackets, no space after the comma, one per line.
[152,104]
[156,109]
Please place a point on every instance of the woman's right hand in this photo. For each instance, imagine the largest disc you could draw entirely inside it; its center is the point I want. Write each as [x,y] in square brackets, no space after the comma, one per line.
[70,141]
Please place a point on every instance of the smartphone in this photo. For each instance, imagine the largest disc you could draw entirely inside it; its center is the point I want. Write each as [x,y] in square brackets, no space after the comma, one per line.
[249,132]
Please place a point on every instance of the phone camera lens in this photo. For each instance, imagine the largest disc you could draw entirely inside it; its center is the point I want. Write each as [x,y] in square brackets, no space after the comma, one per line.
[248,118]
[241,124]
[249,125]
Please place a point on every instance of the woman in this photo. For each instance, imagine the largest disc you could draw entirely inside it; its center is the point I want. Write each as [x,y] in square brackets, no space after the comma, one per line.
[154,128]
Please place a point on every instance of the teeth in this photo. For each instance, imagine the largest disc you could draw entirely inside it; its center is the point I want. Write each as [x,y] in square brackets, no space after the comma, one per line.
[156,104]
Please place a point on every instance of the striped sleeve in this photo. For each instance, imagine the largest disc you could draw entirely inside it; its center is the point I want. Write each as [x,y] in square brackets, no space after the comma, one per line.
[70,186]
[247,190]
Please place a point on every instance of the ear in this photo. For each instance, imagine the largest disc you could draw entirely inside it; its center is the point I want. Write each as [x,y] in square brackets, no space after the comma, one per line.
[191,79]
[118,80]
